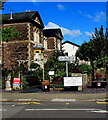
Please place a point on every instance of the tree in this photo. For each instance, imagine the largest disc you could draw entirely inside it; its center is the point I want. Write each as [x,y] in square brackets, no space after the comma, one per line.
[86,52]
[85,68]
[54,65]
[101,48]
[93,50]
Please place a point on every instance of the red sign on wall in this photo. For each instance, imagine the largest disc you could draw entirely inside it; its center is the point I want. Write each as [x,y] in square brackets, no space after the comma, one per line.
[16,80]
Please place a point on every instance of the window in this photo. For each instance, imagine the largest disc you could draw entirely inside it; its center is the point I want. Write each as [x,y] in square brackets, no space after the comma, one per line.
[45,44]
[58,44]
[36,37]
[38,55]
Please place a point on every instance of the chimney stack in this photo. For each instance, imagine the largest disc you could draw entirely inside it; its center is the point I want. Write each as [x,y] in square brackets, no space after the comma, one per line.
[27,10]
[11,17]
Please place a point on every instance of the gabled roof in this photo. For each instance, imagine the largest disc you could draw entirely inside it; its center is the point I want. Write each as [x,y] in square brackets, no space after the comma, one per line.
[70,43]
[23,17]
[4,0]
[53,33]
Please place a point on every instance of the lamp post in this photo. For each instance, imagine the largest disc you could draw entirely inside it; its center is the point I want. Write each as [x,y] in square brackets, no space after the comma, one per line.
[44,61]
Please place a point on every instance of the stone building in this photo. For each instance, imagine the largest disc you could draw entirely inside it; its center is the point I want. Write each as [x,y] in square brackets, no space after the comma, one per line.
[53,40]
[22,47]
[34,44]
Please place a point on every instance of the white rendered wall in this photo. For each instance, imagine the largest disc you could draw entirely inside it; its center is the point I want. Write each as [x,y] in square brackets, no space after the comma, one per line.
[70,49]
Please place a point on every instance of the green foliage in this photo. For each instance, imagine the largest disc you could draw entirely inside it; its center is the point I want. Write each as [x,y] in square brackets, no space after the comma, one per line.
[102,62]
[86,52]
[34,65]
[6,72]
[54,65]
[85,68]
[9,33]
[94,49]
[56,86]
[24,83]
[36,73]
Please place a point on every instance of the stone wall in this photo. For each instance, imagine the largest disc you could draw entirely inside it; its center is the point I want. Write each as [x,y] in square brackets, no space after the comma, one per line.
[49,54]
[13,52]
[18,48]
[20,27]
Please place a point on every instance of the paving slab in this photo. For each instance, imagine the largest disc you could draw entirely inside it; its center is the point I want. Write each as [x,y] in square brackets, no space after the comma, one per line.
[46,96]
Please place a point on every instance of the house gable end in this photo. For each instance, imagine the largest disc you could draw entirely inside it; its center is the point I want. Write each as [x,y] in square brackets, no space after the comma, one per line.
[53,33]
[70,43]
[31,16]
[36,17]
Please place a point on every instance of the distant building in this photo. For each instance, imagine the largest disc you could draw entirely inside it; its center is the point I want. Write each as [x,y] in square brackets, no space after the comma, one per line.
[70,48]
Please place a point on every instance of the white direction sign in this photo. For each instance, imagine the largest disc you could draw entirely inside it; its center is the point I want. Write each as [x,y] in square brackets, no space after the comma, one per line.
[66,58]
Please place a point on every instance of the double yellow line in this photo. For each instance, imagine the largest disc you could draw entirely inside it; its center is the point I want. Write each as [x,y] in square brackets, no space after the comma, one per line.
[29,103]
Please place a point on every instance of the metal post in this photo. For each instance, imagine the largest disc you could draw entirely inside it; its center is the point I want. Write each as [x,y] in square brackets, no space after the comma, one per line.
[20,73]
[66,69]
[43,71]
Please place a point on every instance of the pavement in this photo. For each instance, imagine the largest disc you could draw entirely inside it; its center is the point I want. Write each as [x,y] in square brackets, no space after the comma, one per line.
[35,94]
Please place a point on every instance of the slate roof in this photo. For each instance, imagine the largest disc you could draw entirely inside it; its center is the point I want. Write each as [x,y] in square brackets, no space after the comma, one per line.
[53,33]
[23,17]
[71,43]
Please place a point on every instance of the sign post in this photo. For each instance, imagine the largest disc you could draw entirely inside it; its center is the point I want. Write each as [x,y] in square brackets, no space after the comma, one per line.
[51,73]
[66,58]
[66,68]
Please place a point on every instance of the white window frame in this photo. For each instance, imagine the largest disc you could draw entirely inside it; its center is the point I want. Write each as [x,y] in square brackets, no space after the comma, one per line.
[36,37]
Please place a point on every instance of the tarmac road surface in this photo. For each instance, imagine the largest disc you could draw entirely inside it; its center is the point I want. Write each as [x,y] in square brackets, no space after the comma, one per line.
[63,110]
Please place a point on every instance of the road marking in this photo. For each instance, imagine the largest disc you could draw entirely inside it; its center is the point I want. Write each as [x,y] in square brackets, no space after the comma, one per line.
[100,111]
[35,102]
[65,109]
[24,103]
[2,109]
[63,100]
[67,103]
[30,103]
[13,105]
[102,102]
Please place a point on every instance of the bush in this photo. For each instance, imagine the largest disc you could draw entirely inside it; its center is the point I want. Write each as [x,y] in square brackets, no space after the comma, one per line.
[56,86]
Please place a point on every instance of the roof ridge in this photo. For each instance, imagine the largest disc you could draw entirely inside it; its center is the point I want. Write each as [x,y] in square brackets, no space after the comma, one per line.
[71,43]
[21,12]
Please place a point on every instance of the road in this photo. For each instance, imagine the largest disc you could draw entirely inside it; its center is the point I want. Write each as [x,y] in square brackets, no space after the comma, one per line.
[82,110]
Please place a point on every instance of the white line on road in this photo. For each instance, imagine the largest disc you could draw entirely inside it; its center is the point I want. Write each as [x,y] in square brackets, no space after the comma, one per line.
[100,111]
[85,109]
[63,100]
[2,109]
